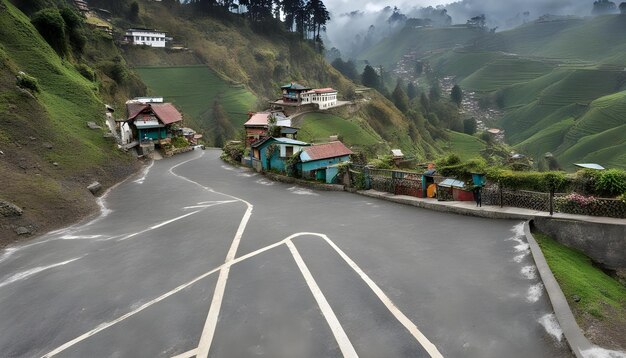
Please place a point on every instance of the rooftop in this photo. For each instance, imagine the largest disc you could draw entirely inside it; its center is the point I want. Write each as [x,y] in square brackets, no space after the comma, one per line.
[262,119]
[281,140]
[324,151]
[295,86]
[165,112]
[322,90]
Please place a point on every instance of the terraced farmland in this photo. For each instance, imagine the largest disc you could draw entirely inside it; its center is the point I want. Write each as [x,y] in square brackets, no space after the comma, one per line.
[195,89]
[505,72]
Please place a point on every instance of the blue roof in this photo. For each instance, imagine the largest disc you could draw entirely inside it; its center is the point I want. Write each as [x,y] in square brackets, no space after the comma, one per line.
[449,183]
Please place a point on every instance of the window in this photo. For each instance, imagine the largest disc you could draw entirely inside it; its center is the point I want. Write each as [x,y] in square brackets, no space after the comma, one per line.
[143,38]
[288,151]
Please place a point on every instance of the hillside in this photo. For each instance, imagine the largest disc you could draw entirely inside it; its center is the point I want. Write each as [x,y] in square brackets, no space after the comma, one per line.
[49,155]
[244,67]
[544,75]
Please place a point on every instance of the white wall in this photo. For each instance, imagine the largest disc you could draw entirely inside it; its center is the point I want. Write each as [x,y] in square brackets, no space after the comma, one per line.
[150,38]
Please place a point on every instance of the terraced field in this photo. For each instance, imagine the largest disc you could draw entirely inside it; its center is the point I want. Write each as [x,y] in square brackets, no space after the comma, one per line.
[505,72]
[195,89]
[464,145]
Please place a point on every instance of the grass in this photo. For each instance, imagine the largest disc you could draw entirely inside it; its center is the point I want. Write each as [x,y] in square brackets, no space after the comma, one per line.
[462,63]
[465,146]
[601,296]
[195,89]
[317,127]
[505,72]
[422,41]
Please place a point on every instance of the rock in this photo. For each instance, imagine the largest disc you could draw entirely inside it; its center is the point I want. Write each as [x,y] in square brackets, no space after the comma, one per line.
[94,187]
[55,164]
[576,298]
[93,125]
[22,231]
[1,152]
[32,138]
[8,209]
[47,145]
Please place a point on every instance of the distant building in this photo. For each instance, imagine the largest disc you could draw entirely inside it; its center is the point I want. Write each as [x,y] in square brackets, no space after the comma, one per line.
[295,95]
[323,97]
[147,37]
[150,121]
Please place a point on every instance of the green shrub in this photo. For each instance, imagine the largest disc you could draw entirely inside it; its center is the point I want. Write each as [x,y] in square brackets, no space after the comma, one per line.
[233,151]
[537,181]
[611,182]
[463,171]
[180,142]
[27,82]
[51,26]
[86,71]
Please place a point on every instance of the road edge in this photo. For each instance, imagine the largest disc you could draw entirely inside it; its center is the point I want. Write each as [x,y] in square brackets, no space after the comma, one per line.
[572,332]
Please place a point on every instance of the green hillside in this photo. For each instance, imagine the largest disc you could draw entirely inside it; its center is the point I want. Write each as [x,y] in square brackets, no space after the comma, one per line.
[421,41]
[505,72]
[558,80]
[464,145]
[50,155]
[317,127]
[195,90]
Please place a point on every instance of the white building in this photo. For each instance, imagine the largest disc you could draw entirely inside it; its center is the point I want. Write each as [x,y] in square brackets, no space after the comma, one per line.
[323,97]
[148,37]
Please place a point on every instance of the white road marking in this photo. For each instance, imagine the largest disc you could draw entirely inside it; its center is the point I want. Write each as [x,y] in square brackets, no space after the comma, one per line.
[106,325]
[406,322]
[347,349]
[144,174]
[157,226]
[218,295]
[26,274]
[208,204]
[190,354]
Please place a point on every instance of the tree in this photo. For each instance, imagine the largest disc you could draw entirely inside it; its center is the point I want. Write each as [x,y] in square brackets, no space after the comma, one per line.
[456,95]
[419,68]
[480,21]
[370,78]
[425,102]
[51,26]
[622,8]
[400,99]
[347,68]
[435,92]
[469,126]
[133,14]
[601,7]
[411,91]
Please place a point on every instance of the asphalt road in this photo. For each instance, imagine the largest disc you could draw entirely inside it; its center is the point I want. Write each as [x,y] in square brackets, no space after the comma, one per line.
[197,258]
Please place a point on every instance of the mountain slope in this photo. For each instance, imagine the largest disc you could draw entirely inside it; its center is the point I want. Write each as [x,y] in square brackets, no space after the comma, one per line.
[246,65]
[49,154]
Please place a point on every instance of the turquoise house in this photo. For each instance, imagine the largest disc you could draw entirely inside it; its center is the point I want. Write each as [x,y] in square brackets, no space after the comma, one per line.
[320,161]
[272,153]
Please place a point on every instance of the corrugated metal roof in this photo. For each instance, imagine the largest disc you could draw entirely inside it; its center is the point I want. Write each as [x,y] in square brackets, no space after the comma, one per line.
[295,86]
[262,119]
[324,151]
[322,90]
[590,166]
[281,140]
[449,183]
[166,112]
[397,153]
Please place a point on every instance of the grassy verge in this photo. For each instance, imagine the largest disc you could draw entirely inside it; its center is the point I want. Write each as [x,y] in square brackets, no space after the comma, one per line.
[597,300]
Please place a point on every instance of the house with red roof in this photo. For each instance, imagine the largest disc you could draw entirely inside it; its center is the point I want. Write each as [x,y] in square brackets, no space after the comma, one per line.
[321,161]
[152,121]
[258,125]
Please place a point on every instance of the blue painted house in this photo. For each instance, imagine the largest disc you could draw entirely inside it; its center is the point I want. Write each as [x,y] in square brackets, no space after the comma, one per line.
[319,161]
[272,153]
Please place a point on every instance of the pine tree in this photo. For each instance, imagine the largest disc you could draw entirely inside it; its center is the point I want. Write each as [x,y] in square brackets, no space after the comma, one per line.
[400,99]
[456,95]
